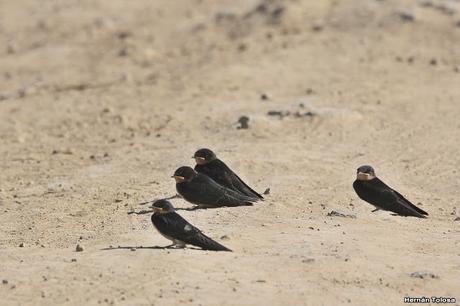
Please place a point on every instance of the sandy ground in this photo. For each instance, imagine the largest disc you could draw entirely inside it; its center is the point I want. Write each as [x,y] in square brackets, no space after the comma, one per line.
[100,101]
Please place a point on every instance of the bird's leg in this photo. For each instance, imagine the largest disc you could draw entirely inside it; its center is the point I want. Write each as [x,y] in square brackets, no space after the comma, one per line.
[178,244]
[375,210]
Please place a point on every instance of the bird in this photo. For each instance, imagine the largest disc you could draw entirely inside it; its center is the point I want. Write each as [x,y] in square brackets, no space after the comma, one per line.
[372,190]
[199,189]
[175,228]
[208,163]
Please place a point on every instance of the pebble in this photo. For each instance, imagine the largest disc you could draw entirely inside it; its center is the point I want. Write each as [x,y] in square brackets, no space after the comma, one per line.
[244,122]
[423,275]
[406,16]
[5,281]
[79,248]
[343,214]
[264,96]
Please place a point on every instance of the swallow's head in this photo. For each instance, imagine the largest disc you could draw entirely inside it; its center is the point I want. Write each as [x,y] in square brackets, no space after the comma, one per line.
[184,174]
[204,156]
[162,207]
[365,173]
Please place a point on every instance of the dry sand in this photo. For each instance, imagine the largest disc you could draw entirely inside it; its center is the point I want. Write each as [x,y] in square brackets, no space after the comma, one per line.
[100,101]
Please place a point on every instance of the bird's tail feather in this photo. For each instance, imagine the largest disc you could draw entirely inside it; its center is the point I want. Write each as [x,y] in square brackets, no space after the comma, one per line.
[207,243]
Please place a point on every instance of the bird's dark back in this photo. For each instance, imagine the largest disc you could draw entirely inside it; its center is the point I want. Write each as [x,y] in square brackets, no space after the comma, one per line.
[168,223]
[217,170]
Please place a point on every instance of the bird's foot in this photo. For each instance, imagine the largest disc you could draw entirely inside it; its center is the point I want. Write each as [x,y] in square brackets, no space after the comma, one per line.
[176,245]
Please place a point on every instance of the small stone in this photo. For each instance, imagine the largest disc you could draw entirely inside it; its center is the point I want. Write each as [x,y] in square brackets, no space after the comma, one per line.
[308,260]
[242,47]
[317,26]
[423,275]
[261,281]
[433,62]
[224,237]
[123,52]
[21,245]
[457,219]
[264,96]
[132,249]
[267,191]
[5,281]
[406,16]
[343,214]
[123,34]
[73,260]
[280,114]
[11,48]
[79,248]
[244,122]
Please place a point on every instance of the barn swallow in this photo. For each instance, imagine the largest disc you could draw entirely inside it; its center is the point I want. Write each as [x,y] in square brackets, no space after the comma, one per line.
[208,163]
[372,190]
[175,228]
[203,191]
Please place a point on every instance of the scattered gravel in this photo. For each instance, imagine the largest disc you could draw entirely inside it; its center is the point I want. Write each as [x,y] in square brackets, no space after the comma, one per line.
[340,213]
[423,275]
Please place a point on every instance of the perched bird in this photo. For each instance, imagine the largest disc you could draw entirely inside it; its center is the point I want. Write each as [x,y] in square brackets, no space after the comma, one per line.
[203,191]
[372,190]
[208,163]
[175,228]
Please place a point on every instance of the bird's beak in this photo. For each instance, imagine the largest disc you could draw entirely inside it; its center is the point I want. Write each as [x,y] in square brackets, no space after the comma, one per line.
[178,178]
[157,209]
[364,176]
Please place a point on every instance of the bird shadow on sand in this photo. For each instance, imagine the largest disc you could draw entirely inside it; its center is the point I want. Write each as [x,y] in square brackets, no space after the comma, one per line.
[176,196]
[155,247]
[148,211]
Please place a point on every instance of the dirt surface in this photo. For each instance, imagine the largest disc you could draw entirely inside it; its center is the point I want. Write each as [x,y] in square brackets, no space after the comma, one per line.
[100,101]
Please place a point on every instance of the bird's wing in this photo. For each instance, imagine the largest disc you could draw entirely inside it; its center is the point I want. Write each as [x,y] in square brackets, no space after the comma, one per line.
[176,227]
[407,202]
[391,200]
[172,225]
[215,194]
[236,181]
